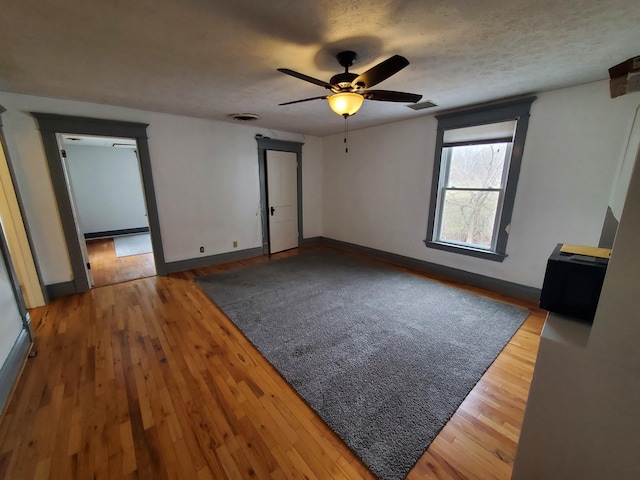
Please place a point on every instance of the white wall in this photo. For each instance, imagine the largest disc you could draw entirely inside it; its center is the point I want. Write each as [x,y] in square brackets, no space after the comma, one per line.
[205,175]
[312,182]
[582,417]
[377,195]
[107,188]
[623,175]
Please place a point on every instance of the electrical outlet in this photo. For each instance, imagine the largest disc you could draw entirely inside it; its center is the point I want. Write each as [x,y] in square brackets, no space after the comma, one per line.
[235,244]
[201,249]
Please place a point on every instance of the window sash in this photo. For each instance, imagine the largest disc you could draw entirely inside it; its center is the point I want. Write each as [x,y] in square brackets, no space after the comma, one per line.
[471,189]
[445,169]
[477,142]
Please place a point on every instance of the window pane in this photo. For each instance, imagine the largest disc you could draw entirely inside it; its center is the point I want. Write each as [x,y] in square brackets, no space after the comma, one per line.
[468,217]
[476,166]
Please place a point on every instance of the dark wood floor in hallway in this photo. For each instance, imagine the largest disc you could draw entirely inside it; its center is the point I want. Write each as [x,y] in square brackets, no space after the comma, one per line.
[148,379]
[107,268]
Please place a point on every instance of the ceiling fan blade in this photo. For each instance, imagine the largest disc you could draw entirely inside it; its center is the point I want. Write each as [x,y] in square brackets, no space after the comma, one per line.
[304,77]
[305,100]
[390,96]
[380,72]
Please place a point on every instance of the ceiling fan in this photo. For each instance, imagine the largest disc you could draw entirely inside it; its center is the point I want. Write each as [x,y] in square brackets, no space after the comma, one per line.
[350,89]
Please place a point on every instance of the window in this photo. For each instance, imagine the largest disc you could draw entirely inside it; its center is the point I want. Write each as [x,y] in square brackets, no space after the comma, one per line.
[476,168]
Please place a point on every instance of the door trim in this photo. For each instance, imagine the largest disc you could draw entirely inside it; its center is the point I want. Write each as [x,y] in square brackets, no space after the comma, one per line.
[51,124]
[265,144]
[25,221]
[5,257]
[12,366]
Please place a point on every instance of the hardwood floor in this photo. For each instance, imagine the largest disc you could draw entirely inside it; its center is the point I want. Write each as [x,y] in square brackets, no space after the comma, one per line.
[107,268]
[148,379]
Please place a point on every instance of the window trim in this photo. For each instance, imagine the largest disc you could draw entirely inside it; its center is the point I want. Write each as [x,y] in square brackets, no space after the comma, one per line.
[499,112]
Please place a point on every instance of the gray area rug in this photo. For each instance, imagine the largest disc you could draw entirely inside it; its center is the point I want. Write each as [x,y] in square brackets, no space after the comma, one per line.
[384,357]
[133,245]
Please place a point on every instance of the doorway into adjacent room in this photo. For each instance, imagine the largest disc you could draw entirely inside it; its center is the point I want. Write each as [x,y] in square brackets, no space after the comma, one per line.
[107,200]
[52,127]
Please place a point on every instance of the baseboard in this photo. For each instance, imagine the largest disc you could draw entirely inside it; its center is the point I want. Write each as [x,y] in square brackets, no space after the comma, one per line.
[503,287]
[201,262]
[496,285]
[69,288]
[61,289]
[12,367]
[115,233]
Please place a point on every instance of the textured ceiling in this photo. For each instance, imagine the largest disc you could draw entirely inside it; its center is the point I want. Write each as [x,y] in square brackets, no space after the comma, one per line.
[211,58]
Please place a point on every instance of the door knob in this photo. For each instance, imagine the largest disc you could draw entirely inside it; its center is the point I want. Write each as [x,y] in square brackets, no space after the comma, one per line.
[272,210]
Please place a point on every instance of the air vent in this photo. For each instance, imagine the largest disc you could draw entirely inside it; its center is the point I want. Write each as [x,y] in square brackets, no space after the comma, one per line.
[244,117]
[422,105]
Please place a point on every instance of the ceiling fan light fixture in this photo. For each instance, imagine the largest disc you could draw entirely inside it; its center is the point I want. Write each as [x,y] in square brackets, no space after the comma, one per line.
[345,104]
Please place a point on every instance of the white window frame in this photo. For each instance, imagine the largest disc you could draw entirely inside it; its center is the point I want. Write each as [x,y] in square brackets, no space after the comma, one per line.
[513,110]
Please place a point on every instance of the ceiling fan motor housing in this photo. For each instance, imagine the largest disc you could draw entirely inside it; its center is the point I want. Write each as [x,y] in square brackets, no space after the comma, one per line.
[343,80]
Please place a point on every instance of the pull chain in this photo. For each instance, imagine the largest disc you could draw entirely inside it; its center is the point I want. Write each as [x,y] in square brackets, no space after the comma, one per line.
[346,134]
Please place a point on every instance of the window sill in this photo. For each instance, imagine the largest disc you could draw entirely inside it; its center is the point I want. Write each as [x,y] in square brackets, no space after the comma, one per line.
[472,252]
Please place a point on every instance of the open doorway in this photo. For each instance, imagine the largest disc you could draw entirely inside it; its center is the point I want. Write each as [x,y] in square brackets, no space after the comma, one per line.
[53,125]
[107,196]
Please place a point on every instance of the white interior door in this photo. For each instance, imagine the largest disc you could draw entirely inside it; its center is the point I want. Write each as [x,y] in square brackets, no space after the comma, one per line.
[74,211]
[282,194]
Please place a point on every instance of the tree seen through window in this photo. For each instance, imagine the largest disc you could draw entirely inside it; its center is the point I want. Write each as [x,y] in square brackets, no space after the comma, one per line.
[472,193]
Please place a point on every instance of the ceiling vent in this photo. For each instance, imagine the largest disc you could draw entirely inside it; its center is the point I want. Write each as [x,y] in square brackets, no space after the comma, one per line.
[422,105]
[244,117]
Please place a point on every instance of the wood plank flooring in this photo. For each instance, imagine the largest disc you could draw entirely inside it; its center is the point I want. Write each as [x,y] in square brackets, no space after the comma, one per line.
[148,379]
[107,268]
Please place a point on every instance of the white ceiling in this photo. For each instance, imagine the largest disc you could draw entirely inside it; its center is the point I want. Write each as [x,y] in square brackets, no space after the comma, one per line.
[212,58]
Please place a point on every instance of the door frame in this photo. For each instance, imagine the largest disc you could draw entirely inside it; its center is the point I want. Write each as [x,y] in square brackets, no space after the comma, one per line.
[265,144]
[5,257]
[12,366]
[30,252]
[52,124]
